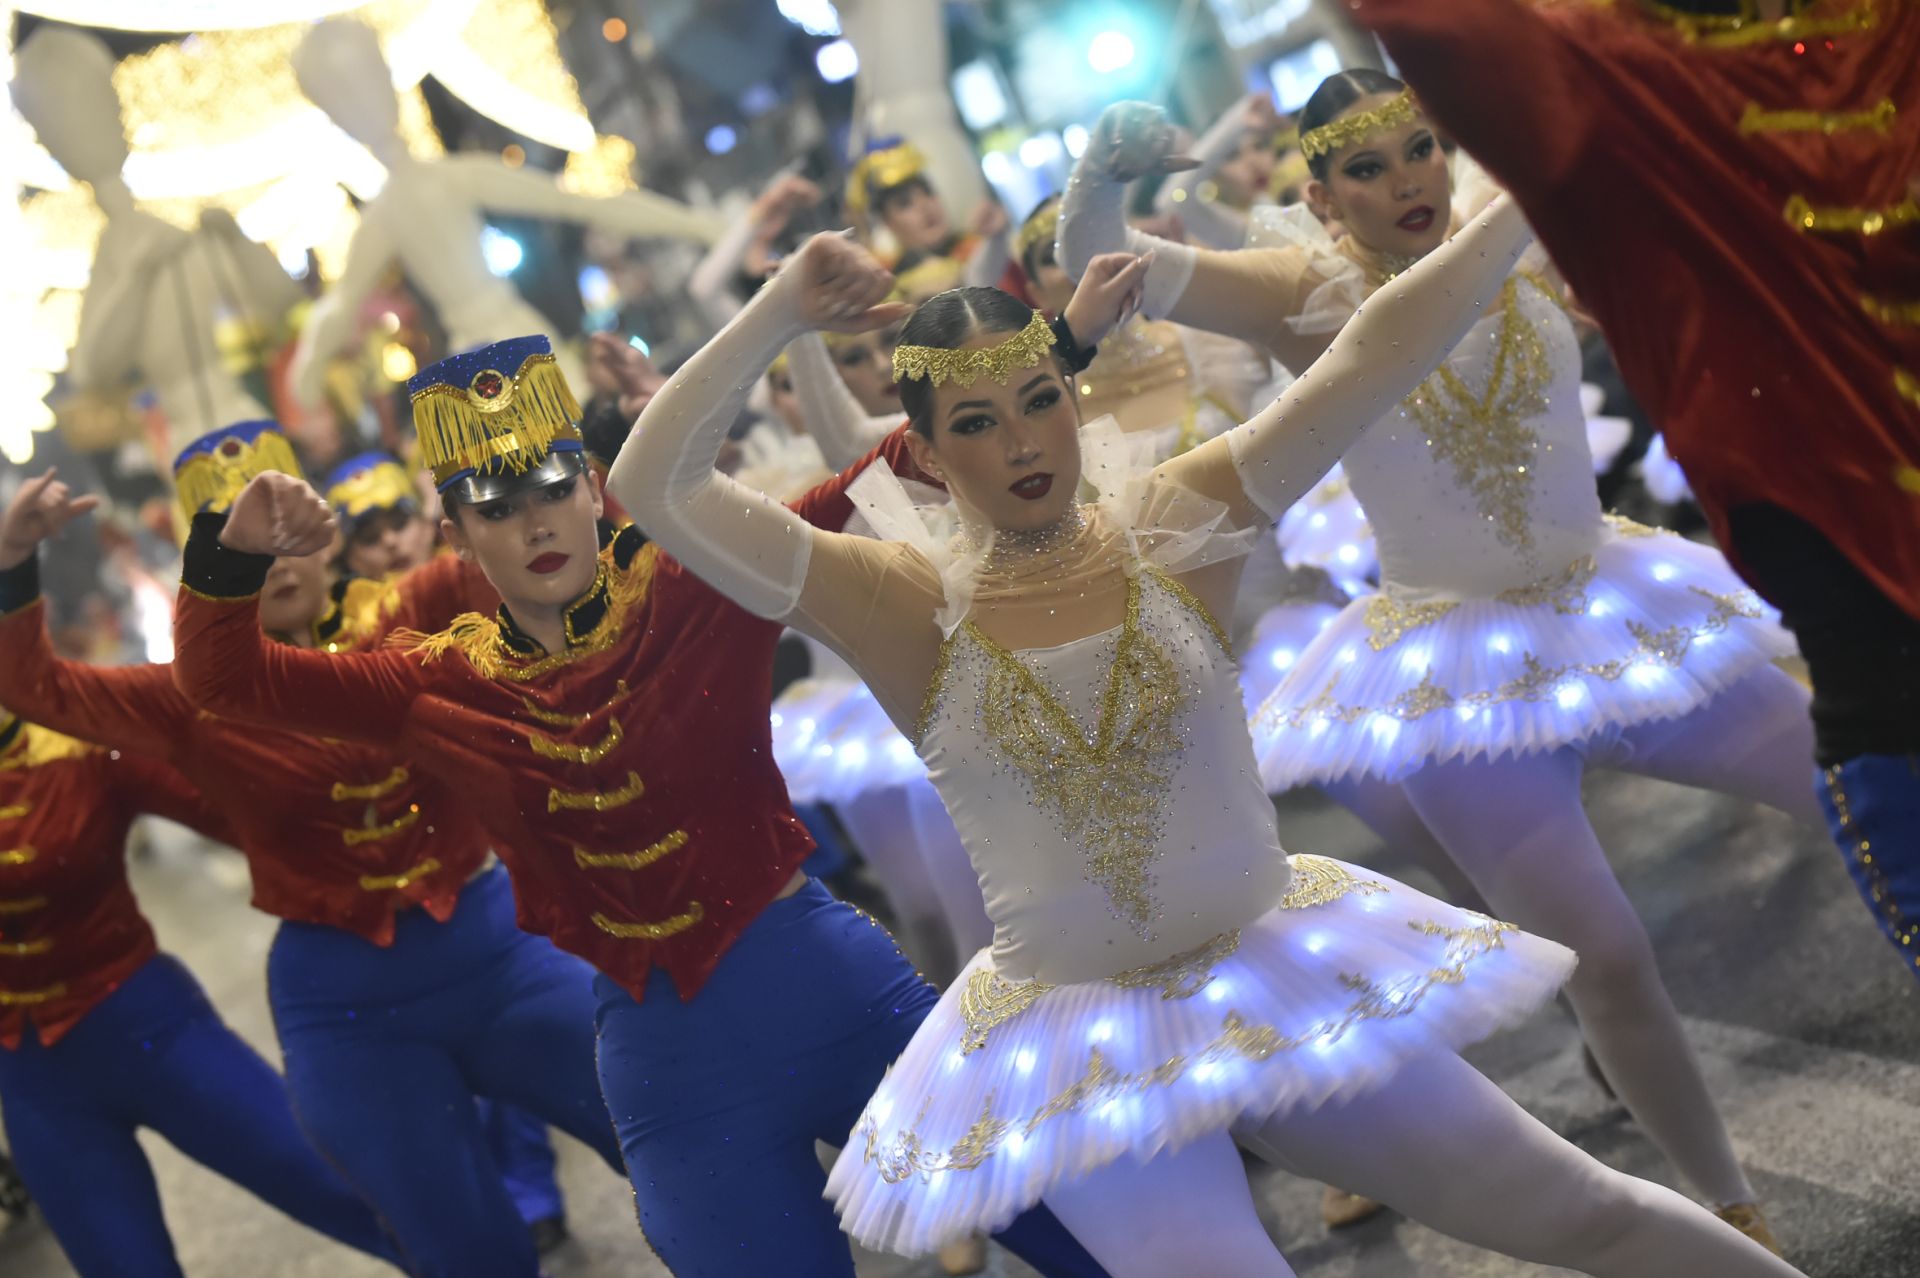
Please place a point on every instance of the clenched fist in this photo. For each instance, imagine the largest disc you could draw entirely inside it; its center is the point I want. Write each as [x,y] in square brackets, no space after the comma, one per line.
[278,515]
[841,287]
[42,509]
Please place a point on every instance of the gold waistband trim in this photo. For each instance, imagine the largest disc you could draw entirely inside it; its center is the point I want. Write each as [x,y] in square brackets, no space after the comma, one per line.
[374,833]
[14,811]
[1907,384]
[17,856]
[1885,309]
[652,931]
[25,905]
[631,860]
[596,800]
[343,793]
[390,882]
[32,998]
[26,949]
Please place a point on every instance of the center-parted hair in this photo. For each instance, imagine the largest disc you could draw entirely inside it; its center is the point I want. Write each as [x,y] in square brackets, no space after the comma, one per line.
[1336,93]
[948,321]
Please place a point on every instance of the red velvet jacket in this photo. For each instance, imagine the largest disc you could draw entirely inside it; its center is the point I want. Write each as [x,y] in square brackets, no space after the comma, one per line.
[628,782]
[70,930]
[1740,208]
[339,833]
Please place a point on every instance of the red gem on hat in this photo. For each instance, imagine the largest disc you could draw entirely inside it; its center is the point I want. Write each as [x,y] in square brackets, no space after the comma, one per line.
[488,384]
[230,448]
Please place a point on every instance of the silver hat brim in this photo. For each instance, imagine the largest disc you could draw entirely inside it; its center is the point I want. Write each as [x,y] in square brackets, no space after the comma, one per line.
[555,467]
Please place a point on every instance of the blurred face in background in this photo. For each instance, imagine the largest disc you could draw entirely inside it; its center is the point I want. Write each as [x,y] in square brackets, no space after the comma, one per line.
[295,593]
[914,216]
[865,363]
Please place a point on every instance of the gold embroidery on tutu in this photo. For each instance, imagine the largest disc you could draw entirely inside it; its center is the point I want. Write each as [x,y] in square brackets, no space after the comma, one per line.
[904,1154]
[1183,975]
[1536,681]
[1318,881]
[989,1000]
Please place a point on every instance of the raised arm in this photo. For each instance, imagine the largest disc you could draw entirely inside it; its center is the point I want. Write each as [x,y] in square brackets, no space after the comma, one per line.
[329,325]
[224,664]
[1389,347]
[1248,294]
[711,284]
[1209,222]
[132,708]
[741,541]
[833,413]
[531,193]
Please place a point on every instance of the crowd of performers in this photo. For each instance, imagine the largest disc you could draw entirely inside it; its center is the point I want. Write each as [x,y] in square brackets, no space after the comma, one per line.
[1095,540]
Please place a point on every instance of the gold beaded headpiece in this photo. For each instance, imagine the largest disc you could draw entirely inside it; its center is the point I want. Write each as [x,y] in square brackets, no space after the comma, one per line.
[963,368]
[1043,225]
[1329,138]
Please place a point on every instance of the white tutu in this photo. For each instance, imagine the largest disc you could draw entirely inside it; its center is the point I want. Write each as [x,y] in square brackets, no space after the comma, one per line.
[1010,1087]
[833,742]
[1282,634]
[1649,627]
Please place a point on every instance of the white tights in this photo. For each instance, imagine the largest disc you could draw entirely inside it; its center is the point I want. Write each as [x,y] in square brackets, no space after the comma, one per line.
[1518,829]
[1439,1143]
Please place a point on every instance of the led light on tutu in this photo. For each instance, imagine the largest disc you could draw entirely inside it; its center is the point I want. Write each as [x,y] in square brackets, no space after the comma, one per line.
[497,420]
[210,472]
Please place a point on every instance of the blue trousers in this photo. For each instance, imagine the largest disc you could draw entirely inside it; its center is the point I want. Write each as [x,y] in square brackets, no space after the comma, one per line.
[719,1101]
[387,1047]
[155,1054]
[1873,809]
[520,1145]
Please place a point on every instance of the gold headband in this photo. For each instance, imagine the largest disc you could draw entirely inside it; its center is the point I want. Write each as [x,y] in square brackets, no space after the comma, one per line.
[882,170]
[963,368]
[1043,225]
[1329,138]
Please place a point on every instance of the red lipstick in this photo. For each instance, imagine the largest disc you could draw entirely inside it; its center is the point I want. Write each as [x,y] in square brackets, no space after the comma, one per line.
[1032,488]
[1418,220]
[551,562]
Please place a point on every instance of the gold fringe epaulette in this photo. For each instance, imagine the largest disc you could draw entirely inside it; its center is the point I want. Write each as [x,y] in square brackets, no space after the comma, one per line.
[617,592]
[38,745]
[364,606]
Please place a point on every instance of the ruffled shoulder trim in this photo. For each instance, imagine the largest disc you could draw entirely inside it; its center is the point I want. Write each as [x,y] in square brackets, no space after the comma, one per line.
[1343,287]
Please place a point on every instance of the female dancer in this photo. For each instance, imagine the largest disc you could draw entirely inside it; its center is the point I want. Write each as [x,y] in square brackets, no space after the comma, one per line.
[608,726]
[890,183]
[1160,973]
[101,1034]
[1518,637]
[400,986]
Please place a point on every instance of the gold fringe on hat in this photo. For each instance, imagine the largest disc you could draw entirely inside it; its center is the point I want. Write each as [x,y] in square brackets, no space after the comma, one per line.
[376,488]
[511,421]
[211,480]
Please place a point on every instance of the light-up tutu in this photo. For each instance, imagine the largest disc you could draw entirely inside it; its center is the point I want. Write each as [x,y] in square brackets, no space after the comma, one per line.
[832,741]
[1650,626]
[1160,969]
[1511,616]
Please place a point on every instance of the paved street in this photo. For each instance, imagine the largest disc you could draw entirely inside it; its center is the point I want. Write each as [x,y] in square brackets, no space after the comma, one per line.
[1808,1029]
